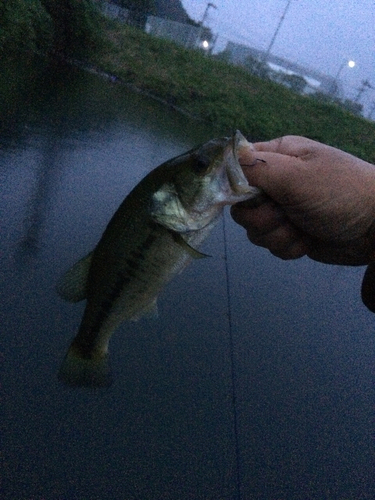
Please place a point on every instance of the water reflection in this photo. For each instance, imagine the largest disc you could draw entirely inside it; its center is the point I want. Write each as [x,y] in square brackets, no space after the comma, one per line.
[36,205]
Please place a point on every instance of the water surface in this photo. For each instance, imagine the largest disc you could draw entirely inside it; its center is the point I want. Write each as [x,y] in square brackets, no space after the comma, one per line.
[256,380]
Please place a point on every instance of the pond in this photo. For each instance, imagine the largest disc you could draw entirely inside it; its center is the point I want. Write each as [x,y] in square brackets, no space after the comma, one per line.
[255,382]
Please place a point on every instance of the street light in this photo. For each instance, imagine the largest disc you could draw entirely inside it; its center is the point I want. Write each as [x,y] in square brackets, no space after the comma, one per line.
[268,51]
[206,11]
[349,63]
[199,34]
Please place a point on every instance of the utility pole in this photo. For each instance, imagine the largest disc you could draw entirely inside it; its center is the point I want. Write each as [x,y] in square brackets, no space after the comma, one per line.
[268,51]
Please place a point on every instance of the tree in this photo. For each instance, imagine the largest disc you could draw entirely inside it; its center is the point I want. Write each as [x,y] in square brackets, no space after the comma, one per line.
[77,26]
[354,107]
[138,10]
[24,26]
[67,27]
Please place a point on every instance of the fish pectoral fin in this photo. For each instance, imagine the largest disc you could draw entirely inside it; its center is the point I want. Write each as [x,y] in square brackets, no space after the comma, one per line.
[193,252]
[72,285]
[168,211]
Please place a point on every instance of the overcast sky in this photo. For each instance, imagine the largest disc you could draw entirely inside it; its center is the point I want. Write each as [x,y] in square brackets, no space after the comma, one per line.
[320,34]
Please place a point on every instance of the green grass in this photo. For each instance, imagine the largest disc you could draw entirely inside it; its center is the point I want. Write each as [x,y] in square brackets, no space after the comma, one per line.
[227,96]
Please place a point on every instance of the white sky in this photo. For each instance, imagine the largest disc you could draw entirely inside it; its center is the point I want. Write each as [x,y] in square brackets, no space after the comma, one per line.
[321,34]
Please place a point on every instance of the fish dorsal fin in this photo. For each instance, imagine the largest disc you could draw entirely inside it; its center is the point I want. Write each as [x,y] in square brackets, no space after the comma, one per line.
[193,252]
[72,285]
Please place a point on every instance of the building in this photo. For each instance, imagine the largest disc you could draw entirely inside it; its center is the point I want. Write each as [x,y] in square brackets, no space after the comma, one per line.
[315,81]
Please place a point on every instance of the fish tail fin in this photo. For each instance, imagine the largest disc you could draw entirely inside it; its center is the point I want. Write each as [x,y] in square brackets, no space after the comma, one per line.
[79,371]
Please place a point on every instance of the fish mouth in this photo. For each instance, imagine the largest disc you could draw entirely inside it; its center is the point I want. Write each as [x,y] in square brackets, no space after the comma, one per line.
[237,180]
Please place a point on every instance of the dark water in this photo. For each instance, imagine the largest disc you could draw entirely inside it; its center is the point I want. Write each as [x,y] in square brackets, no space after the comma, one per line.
[256,381]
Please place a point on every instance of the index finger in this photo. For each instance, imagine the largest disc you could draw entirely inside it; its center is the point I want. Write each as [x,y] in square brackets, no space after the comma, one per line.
[291,145]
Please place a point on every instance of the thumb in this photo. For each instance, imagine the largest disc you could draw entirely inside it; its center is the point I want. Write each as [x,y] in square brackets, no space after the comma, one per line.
[272,172]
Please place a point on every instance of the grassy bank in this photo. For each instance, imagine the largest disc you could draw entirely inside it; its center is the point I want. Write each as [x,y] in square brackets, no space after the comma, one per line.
[227,96]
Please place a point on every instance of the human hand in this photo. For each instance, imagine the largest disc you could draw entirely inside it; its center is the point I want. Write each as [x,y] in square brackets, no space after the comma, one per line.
[319,202]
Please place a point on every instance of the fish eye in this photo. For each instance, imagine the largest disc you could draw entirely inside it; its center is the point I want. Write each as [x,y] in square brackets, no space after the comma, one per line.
[201,164]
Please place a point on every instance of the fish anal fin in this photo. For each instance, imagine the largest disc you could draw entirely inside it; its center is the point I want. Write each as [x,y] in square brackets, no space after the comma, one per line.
[72,285]
[151,310]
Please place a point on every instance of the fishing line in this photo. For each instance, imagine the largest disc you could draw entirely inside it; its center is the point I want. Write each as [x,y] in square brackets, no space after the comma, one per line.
[232,368]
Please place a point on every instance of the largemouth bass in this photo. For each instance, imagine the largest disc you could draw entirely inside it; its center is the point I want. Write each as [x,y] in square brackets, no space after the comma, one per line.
[152,236]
